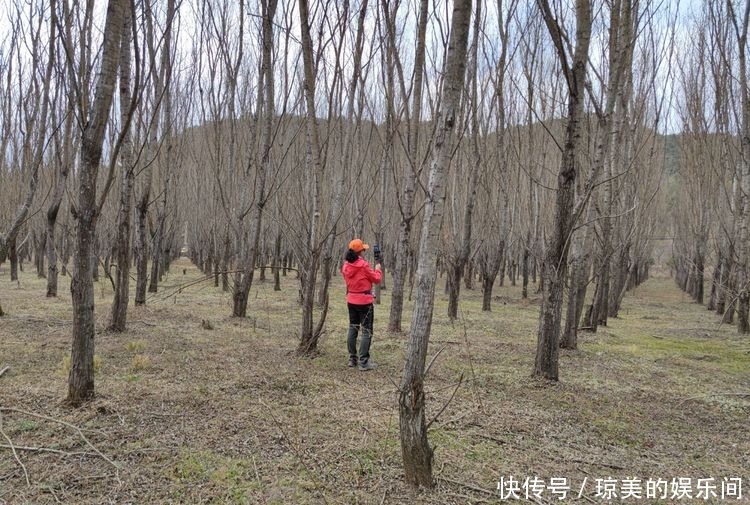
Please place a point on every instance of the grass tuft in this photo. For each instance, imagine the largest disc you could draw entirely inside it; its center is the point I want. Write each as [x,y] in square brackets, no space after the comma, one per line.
[140,362]
[64,367]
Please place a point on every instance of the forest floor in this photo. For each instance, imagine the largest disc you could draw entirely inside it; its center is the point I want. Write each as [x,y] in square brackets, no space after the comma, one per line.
[185,414]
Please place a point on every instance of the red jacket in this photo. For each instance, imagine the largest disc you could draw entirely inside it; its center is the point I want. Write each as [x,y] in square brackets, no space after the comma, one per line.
[359,279]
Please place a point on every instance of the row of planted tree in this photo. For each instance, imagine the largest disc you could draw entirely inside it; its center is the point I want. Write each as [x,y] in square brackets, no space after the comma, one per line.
[481,142]
[711,209]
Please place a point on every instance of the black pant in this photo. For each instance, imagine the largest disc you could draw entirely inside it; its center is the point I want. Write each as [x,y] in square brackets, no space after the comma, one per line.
[360,315]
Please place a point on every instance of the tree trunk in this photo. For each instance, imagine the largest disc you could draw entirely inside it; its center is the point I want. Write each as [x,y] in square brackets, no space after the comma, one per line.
[525,268]
[157,76]
[489,266]
[277,262]
[65,245]
[743,297]
[715,283]
[487,282]
[569,339]
[81,377]
[51,253]
[156,253]
[309,334]
[469,276]
[54,208]
[39,250]
[726,269]
[141,247]
[164,87]
[119,311]
[513,271]
[471,198]
[453,288]
[415,449]
[13,258]
[225,263]
[624,273]
[266,106]
[601,294]
[95,260]
[215,263]
[556,253]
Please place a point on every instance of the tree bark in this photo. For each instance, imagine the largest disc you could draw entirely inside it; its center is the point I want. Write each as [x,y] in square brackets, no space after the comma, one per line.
[13,258]
[39,250]
[619,287]
[723,283]
[715,283]
[277,262]
[525,267]
[141,244]
[225,263]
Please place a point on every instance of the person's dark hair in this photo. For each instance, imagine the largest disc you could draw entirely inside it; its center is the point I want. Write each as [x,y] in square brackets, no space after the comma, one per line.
[351,256]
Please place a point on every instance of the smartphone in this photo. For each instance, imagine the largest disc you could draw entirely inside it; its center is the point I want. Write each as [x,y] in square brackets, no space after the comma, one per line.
[376,251]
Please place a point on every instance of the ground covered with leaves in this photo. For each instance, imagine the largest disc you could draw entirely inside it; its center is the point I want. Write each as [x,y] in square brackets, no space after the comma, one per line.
[194,406]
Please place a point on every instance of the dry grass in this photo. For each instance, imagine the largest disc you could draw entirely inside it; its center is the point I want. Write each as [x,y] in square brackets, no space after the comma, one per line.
[230,415]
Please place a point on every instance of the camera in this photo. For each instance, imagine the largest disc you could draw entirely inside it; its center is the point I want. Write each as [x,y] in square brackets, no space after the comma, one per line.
[376,251]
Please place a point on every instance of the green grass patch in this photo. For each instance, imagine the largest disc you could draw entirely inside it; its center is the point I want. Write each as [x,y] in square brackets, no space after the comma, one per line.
[701,353]
[135,346]
[233,478]
[26,425]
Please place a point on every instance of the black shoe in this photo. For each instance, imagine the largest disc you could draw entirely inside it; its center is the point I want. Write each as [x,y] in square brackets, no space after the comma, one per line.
[368,365]
[352,362]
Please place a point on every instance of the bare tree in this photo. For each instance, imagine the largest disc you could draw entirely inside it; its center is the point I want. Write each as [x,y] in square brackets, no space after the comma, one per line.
[494,247]
[740,25]
[127,174]
[460,258]
[415,448]
[266,107]
[81,378]
[410,177]
[159,75]
[556,254]
[63,161]
[310,261]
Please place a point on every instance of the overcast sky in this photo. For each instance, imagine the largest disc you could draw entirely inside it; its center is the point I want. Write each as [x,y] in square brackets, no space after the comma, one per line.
[673,20]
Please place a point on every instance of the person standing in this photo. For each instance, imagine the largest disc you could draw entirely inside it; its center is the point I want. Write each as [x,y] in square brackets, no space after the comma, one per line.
[359,278]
